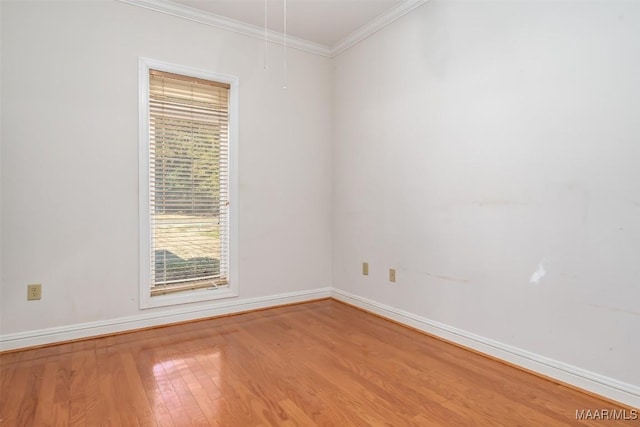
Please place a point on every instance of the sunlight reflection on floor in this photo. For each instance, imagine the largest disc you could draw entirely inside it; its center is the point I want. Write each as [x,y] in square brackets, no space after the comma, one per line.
[198,373]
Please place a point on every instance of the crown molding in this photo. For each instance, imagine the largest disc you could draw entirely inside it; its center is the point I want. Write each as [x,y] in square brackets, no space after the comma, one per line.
[229,24]
[196,15]
[375,25]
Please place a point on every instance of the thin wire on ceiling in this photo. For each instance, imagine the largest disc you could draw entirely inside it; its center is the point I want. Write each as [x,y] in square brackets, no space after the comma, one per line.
[266,40]
[284,56]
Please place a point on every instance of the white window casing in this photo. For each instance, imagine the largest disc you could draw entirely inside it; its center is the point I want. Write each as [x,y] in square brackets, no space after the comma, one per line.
[188,184]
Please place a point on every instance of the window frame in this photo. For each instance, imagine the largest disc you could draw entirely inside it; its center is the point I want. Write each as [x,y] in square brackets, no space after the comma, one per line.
[196,295]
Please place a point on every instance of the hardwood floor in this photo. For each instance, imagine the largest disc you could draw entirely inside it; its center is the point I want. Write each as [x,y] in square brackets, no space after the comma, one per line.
[321,363]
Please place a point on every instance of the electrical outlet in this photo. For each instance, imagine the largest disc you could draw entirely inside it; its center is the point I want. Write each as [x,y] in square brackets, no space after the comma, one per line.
[392,274]
[34,292]
[365,268]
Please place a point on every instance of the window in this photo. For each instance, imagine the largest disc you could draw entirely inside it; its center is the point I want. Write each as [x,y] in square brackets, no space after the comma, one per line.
[187,184]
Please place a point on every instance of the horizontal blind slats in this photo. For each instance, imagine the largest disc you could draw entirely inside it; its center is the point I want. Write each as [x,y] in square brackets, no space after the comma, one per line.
[189,185]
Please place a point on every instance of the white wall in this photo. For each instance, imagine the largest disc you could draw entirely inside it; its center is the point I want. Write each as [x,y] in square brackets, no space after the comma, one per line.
[1,98]
[476,141]
[70,159]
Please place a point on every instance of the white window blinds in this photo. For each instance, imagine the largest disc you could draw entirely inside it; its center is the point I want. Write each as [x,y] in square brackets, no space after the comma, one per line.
[188,182]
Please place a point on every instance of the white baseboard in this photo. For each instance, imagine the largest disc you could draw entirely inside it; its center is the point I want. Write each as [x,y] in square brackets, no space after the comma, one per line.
[156,318]
[608,387]
[599,384]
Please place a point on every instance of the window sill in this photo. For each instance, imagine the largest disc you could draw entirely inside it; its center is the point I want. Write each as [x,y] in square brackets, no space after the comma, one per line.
[185,297]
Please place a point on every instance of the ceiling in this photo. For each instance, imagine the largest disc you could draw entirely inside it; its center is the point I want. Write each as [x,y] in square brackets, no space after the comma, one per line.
[324,22]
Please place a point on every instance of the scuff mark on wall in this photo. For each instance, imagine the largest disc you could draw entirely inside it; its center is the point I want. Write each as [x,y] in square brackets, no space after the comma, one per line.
[499,203]
[619,310]
[538,274]
[449,279]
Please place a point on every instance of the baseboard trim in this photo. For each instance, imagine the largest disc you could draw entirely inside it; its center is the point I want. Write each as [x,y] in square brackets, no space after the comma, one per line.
[591,382]
[48,336]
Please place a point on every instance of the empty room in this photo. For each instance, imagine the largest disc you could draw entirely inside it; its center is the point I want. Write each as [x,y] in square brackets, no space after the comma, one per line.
[319,212]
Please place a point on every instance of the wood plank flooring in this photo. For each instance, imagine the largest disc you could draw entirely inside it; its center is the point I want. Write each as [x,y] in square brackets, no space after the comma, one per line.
[320,363]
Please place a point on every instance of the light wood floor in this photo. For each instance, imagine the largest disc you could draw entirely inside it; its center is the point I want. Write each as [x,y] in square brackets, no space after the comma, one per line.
[321,363]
